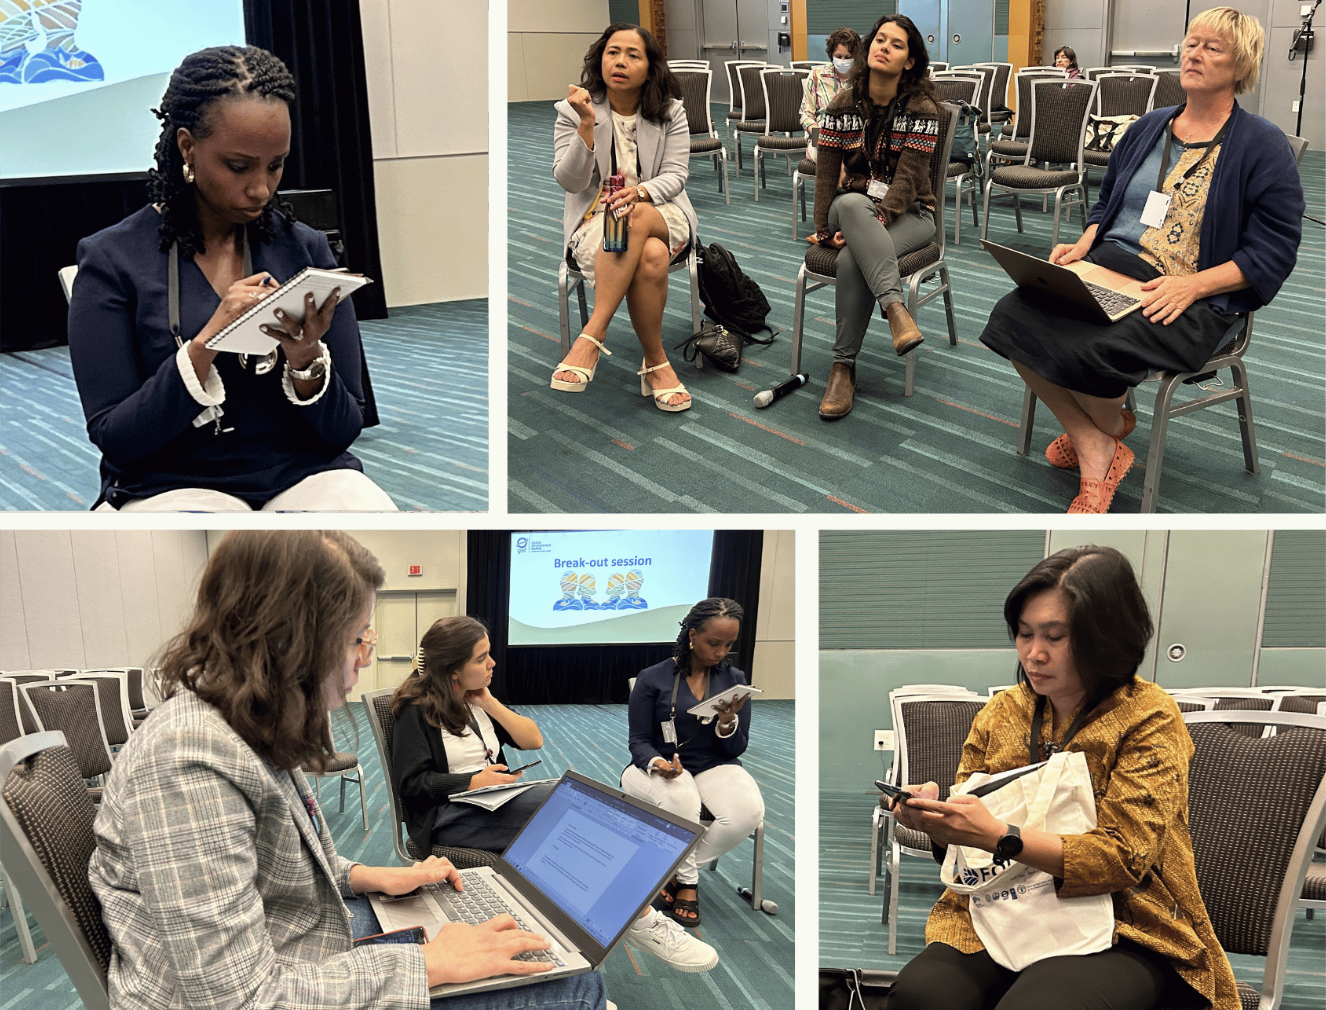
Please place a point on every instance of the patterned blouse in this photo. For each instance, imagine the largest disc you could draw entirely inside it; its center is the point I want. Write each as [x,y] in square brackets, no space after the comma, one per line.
[904,151]
[818,90]
[1137,750]
[1173,248]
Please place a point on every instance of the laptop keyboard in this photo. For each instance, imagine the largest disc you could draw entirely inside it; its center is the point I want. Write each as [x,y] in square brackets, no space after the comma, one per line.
[1110,300]
[480,902]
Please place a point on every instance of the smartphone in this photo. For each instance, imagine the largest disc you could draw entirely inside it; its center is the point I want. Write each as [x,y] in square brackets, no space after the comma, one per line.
[512,771]
[898,793]
[413,935]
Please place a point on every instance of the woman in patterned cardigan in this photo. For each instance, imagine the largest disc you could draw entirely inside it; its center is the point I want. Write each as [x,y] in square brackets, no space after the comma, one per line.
[872,192]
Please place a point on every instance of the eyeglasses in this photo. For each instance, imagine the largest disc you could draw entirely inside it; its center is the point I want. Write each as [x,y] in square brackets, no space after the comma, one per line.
[367,642]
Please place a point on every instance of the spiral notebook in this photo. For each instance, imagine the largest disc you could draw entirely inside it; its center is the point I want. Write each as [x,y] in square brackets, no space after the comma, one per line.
[243,336]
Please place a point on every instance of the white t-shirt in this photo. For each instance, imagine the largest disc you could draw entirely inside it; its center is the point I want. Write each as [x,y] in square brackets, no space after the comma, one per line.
[465,754]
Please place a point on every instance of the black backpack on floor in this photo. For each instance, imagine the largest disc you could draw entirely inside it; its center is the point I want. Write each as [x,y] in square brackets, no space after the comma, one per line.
[731,298]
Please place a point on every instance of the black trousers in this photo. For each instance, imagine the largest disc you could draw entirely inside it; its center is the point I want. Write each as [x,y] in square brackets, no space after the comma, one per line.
[1122,978]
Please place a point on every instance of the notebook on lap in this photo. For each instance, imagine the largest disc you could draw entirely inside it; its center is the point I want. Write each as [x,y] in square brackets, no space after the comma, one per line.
[1103,293]
[581,870]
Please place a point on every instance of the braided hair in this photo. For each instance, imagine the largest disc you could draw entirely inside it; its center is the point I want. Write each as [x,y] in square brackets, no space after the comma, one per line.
[715,606]
[201,80]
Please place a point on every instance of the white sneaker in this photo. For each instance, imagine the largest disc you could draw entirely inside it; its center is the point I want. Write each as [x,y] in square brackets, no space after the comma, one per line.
[656,934]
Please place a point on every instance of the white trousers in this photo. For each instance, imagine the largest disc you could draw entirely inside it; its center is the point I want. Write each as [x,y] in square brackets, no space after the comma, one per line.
[727,790]
[329,491]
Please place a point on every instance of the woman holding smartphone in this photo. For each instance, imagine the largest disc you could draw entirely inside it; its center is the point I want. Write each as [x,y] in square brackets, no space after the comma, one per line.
[219,882]
[681,761]
[1081,627]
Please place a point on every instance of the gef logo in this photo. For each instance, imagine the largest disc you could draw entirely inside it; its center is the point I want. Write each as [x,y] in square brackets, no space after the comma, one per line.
[521,544]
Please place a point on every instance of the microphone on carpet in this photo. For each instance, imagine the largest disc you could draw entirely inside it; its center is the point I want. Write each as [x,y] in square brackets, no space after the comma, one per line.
[782,389]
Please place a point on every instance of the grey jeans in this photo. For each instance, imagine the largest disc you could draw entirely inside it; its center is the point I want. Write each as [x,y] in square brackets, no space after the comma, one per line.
[868,264]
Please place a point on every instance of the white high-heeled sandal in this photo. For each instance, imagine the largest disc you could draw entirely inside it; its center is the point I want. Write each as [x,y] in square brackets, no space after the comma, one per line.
[660,395]
[586,374]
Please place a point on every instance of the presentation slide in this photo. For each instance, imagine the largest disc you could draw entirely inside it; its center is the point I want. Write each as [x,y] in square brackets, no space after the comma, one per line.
[79,78]
[605,587]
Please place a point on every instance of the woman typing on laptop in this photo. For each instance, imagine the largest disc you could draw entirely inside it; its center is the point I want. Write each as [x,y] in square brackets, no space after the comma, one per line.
[1203,204]
[217,876]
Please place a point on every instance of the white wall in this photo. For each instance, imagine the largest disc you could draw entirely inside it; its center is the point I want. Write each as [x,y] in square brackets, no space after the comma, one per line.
[546,45]
[83,599]
[427,70]
[775,640]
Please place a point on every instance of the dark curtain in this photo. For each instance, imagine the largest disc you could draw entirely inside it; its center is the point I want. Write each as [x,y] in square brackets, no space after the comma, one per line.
[41,223]
[594,674]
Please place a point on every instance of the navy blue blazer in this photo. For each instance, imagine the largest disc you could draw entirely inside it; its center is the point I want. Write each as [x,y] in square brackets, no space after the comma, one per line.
[1254,208]
[140,413]
[701,748]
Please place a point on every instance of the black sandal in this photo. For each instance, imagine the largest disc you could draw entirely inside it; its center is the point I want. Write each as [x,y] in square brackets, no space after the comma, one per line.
[691,905]
[668,895]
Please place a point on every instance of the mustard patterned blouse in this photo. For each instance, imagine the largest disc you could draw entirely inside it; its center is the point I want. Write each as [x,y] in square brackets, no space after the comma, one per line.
[1173,248]
[1137,749]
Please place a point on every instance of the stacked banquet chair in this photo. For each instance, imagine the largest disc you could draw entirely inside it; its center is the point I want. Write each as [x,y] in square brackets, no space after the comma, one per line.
[1059,115]
[998,113]
[783,136]
[753,115]
[983,99]
[821,262]
[955,88]
[1119,94]
[929,728]
[1010,148]
[696,80]
[736,113]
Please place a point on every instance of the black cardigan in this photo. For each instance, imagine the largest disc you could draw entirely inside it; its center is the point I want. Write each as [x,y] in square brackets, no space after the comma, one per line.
[419,772]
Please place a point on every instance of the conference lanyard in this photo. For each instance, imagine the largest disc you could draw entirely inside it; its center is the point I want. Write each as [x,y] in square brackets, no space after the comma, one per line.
[670,727]
[1211,145]
[890,163]
[488,754]
[1050,748]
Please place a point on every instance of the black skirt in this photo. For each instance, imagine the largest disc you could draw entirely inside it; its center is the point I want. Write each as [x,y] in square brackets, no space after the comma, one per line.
[1060,343]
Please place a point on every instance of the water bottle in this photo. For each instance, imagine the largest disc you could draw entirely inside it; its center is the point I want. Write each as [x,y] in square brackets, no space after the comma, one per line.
[614,227]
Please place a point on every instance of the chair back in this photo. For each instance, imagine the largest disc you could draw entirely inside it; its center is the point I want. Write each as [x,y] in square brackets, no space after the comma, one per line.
[782,94]
[136,703]
[1168,90]
[1059,114]
[999,86]
[377,705]
[27,724]
[46,831]
[752,93]
[956,87]
[1297,702]
[930,730]
[75,710]
[1125,94]
[67,275]
[1255,808]
[808,64]
[1194,704]
[734,83]
[987,85]
[948,127]
[696,84]
[1060,71]
[1023,82]
[1298,145]
[113,696]
[938,66]
[1091,73]
[10,728]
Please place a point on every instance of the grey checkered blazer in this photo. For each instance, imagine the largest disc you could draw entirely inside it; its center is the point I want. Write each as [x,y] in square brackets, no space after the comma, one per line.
[215,888]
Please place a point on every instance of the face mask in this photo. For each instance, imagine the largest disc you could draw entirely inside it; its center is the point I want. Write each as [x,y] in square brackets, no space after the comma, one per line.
[842,66]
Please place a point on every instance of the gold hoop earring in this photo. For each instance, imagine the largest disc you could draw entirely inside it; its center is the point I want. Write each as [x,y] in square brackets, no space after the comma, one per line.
[188,173]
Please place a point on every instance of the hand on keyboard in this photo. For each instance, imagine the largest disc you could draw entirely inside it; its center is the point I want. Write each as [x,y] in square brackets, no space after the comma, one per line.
[464,953]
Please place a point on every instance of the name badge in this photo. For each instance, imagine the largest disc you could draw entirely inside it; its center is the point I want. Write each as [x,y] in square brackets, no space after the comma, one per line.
[877,190]
[1157,206]
[670,731]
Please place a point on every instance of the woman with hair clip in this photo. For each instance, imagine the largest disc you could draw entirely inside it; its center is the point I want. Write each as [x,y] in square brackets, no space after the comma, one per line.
[681,762]
[181,426]
[219,882]
[1081,627]
[873,198]
[448,739]
[625,118]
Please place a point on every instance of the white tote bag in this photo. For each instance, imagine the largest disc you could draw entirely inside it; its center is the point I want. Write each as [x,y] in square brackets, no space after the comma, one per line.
[1014,907]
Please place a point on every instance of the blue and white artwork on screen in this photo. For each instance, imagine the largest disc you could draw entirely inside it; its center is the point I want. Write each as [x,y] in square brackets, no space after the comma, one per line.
[79,78]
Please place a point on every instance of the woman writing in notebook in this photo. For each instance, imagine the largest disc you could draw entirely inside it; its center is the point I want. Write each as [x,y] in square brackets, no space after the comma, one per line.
[681,761]
[1203,204]
[219,882]
[1081,626]
[182,426]
[625,118]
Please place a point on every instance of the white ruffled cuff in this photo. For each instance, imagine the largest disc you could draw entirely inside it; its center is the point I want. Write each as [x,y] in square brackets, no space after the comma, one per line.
[288,384]
[718,730]
[210,394]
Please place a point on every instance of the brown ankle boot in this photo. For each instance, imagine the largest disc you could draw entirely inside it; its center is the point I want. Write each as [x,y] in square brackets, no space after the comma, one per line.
[838,393]
[905,334]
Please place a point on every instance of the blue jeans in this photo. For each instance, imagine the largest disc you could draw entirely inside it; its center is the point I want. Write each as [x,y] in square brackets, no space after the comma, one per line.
[577,992]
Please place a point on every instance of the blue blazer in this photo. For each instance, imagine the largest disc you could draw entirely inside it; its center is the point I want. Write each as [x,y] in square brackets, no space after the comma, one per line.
[701,748]
[1254,209]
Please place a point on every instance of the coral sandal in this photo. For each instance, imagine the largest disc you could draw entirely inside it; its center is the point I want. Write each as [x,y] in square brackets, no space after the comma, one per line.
[1061,453]
[586,374]
[1095,495]
[661,396]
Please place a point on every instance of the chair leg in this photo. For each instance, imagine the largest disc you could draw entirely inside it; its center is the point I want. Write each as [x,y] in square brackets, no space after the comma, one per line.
[875,816]
[584,308]
[895,865]
[948,306]
[758,162]
[1244,405]
[727,182]
[1156,451]
[29,955]
[1058,199]
[798,319]
[342,808]
[563,309]
[757,869]
[363,800]
[1017,211]
[985,209]
[1028,419]
[696,304]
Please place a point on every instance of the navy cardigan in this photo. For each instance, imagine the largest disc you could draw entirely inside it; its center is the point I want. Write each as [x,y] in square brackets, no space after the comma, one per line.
[140,413]
[1254,208]
[702,748]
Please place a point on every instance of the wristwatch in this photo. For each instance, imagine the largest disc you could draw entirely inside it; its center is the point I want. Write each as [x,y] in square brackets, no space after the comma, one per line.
[1009,846]
[315,371]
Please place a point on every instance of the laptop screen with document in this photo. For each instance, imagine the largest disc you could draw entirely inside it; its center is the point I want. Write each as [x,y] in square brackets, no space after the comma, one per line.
[595,855]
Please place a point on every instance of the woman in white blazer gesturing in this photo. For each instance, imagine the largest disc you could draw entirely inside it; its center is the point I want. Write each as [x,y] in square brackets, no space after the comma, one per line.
[626,118]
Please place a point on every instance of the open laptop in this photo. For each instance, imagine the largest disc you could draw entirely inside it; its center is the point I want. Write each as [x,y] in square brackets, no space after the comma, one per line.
[1105,294]
[579,873]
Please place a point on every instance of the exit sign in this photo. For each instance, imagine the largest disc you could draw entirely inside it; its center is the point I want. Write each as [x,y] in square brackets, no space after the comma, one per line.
[416,569]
